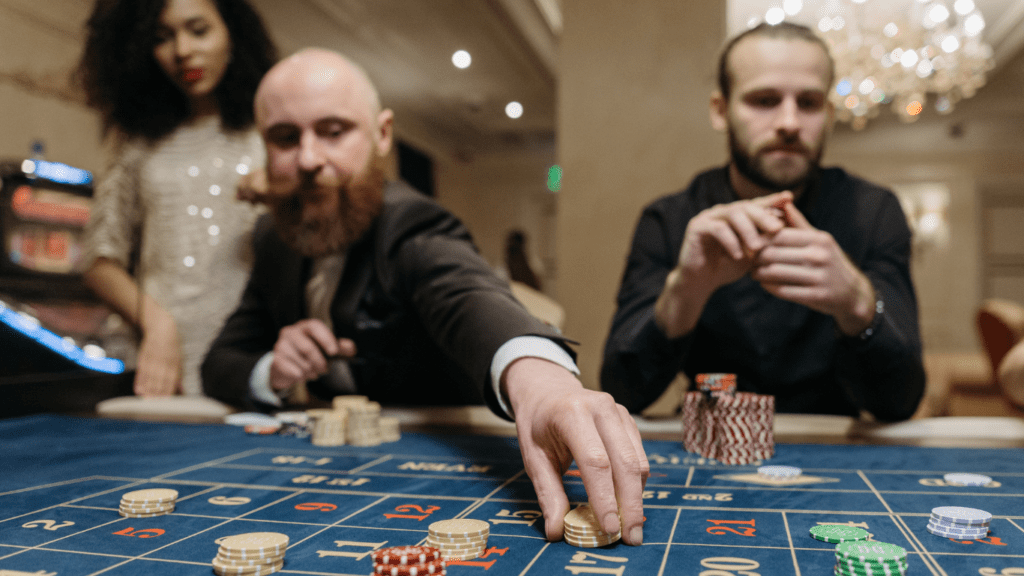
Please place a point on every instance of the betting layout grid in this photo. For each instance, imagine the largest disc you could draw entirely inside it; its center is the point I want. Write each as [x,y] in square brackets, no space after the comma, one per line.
[336,505]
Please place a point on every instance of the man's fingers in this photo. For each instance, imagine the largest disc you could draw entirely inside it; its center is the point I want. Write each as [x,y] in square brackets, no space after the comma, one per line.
[554,504]
[595,464]
[319,333]
[795,217]
[629,470]
[726,237]
[638,444]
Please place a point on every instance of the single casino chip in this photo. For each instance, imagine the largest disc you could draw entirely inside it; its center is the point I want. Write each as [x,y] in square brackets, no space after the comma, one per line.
[262,429]
[255,542]
[419,569]
[837,534]
[150,496]
[874,552]
[255,556]
[238,563]
[957,534]
[247,418]
[459,528]
[959,528]
[464,555]
[965,479]
[846,569]
[146,515]
[961,515]
[459,540]
[257,570]
[448,546]
[776,472]
[856,570]
[405,555]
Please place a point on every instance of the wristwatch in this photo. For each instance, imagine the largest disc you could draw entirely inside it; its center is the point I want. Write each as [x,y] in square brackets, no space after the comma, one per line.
[876,322]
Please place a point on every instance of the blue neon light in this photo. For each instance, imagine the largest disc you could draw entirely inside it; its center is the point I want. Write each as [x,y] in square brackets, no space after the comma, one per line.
[61,346]
[56,172]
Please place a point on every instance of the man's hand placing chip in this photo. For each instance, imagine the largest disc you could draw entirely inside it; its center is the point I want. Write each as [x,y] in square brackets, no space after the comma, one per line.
[557,421]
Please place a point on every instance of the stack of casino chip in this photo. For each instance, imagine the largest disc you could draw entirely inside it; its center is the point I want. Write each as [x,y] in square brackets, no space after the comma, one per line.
[583,529]
[861,558]
[959,523]
[459,539]
[148,503]
[838,533]
[390,431]
[251,554]
[329,428]
[363,424]
[354,420]
[731,427]
[408,561]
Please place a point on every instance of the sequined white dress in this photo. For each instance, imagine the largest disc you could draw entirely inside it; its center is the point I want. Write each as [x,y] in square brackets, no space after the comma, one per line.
[173,202]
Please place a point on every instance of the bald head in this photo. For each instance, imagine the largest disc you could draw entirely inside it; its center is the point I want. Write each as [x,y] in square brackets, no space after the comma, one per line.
[316,71]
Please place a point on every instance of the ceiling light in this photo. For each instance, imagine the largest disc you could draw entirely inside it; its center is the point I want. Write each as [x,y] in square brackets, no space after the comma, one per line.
[461,59]
[514,110]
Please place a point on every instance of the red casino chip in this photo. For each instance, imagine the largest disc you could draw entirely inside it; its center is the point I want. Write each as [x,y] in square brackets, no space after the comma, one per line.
[435,567]
[405,555]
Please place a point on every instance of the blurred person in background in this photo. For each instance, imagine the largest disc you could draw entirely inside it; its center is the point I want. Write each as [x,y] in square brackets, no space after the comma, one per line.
[167,245]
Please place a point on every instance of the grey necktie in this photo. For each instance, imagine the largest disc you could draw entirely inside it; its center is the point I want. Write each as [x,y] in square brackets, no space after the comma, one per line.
[320,290]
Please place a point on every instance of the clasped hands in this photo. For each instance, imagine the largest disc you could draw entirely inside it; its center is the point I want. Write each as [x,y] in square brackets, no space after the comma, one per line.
[770,240]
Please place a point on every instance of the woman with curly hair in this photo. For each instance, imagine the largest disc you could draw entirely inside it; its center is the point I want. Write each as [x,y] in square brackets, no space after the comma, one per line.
[167,245]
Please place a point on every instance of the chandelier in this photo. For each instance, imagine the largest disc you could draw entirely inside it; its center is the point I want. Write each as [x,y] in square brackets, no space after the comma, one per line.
[907,55]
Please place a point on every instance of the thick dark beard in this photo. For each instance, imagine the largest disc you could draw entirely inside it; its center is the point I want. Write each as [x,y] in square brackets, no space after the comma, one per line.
[748,166]
[359,204]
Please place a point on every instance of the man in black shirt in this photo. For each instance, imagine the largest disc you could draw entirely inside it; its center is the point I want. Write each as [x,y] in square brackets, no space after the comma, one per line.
[794,277]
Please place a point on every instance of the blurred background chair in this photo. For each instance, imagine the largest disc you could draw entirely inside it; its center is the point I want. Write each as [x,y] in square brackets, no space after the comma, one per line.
[543,307]
[1001,329]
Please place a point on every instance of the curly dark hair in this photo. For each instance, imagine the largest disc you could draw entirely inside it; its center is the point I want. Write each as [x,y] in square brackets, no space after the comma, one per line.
[784,30]
[124,82]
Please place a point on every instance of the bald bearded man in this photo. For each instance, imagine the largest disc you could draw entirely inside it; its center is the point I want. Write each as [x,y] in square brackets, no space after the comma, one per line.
[413,309]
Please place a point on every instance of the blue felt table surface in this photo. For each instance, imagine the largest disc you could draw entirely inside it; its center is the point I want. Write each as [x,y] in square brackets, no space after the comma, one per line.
[61,479]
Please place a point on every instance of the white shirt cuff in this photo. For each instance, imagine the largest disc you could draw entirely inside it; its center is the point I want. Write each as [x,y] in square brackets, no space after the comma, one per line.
[259,382]
[525,347]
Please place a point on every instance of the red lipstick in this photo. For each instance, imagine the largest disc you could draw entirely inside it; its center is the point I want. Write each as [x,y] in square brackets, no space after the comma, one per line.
[192,74]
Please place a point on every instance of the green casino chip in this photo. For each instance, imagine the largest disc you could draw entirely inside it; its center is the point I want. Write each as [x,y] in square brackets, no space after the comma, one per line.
[837,534]
[872,552]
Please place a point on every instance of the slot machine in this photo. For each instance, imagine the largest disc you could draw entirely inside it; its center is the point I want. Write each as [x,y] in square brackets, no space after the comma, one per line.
[61,349]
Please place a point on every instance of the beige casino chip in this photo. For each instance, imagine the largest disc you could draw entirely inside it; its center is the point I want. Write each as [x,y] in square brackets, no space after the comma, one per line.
[239,563]
[344,402]
[463,555]
[459,528]
[255,542]
[133,515]
[583,529]
[450,541]
[258,570]
[433,543]
[150,496]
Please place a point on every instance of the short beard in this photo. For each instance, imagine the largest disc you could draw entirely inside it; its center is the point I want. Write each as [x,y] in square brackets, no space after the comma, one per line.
[752,168]
[360,201]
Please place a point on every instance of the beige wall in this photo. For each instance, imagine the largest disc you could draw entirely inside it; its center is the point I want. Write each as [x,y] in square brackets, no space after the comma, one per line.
[634,82]
[35,54]
[496,193]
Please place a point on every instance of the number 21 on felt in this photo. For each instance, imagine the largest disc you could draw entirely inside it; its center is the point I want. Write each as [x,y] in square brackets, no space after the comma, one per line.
[747,528]
[423,513]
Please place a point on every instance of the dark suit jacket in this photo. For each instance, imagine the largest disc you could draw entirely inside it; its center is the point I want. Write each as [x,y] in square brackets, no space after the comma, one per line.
[425,310]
